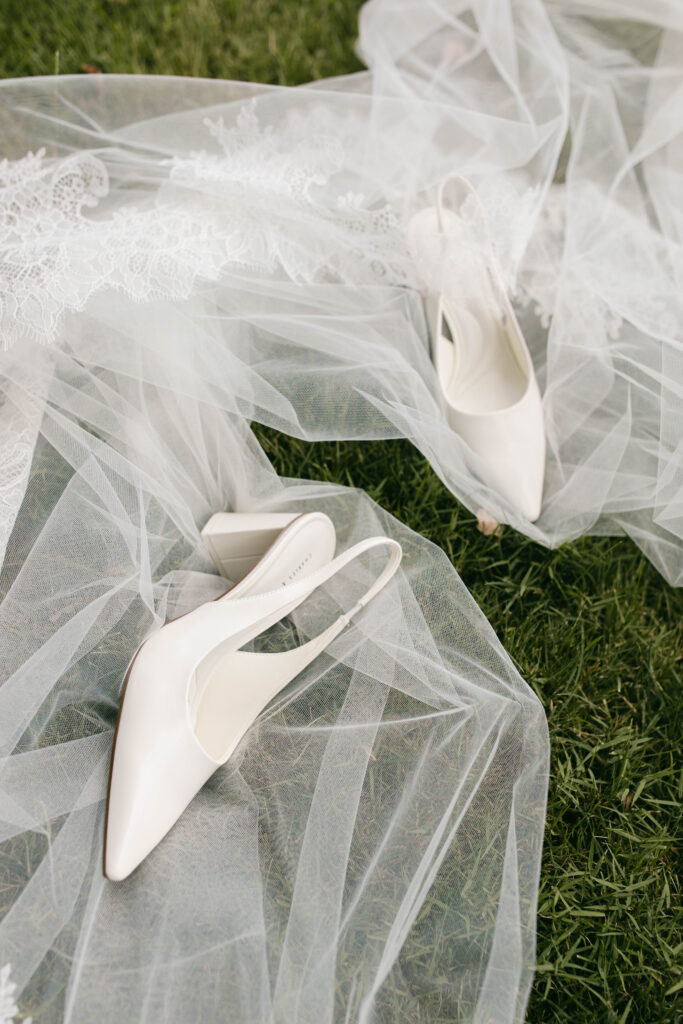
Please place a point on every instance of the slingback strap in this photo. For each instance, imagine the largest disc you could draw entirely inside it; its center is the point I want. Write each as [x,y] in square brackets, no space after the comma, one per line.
[276,604]
[300,589]
[380,582]
[469,187]
[491,265]
[307,652]
[266,673]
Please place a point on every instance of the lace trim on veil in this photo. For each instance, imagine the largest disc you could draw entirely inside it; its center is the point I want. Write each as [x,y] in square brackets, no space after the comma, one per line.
[55,253]
[8,1006]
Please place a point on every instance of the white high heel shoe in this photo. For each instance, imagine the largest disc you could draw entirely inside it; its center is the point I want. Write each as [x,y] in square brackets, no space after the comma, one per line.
[190,693]
[482,361]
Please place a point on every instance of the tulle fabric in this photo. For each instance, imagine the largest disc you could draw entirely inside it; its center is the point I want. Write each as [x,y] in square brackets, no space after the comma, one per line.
[372,849]
[181,257]
[280,215]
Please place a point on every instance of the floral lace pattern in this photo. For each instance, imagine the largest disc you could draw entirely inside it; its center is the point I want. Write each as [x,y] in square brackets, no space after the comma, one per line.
[258,203]
[40,203]
[20,418]
[545,278]
[258,157]
[8,1007]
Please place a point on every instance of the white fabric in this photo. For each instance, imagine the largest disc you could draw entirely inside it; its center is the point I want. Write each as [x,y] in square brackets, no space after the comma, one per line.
[232,197]
[178,257]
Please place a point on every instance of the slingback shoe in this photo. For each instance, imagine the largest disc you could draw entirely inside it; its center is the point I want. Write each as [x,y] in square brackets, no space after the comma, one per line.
[482,361]
[237,542]
[190,693]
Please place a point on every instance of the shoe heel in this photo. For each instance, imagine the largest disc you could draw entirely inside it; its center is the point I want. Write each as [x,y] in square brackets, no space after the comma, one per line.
[238,540]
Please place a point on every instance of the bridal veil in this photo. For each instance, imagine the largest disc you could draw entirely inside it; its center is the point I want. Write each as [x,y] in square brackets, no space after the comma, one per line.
[180,257]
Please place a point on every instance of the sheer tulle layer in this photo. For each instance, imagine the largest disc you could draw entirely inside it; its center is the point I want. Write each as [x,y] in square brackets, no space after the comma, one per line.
[285,210]
[179,257]
[389,802]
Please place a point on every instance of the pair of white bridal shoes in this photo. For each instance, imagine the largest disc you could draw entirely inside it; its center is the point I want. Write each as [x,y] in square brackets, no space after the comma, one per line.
[191,693]
[482,361]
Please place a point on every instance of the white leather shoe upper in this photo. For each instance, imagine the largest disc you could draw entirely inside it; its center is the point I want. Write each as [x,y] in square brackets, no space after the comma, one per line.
[482,361]
[510,440]
[191,694]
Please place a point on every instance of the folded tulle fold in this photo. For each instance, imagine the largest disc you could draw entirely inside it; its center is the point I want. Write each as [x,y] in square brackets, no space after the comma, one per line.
[180,258]
[272,221]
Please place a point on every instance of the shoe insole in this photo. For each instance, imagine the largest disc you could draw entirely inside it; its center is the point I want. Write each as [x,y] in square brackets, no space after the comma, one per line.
[476,350]
[239,684]
[481,372]
[237,690]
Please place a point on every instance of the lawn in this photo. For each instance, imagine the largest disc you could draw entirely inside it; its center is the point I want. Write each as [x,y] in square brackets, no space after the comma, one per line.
[592,627]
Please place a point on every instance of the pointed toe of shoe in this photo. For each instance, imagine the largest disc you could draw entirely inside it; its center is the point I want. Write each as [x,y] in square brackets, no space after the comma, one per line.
[118,864]
[136,825]
[521,487]
[157,765]
[151,786]
[528,496]
[511,446]
[531,511]
[137,818]
[517,472]
[525,476]
[122,850]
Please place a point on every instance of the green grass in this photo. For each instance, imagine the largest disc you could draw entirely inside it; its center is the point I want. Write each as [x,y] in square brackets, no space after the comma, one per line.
[591,626]
[597,633]
[258,40]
